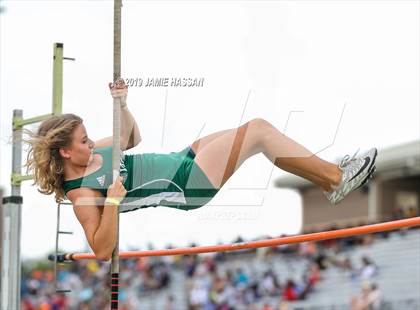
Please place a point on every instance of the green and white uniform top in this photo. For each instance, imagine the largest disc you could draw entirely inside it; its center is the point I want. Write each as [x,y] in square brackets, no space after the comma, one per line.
[148,179]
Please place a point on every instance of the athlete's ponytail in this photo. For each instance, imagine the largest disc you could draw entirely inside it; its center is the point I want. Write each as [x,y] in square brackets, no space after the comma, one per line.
[44,160]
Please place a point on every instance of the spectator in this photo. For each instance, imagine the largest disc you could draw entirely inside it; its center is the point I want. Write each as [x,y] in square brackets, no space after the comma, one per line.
[343,262]
[199,297]
[169,303]
[290,292]
[241,278]
[190,264]
[267,307]
[368,269]
[283,305]
[314,274]
[307,249]
[369,299]
[268,285]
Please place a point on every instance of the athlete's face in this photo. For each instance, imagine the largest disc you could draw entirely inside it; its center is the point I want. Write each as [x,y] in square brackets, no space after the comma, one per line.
[81,148]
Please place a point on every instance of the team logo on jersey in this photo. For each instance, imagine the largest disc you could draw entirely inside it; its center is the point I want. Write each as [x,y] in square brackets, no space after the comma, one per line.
[101,180]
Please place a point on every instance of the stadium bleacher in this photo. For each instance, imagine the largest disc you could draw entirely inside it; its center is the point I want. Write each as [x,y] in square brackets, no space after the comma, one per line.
[396,255]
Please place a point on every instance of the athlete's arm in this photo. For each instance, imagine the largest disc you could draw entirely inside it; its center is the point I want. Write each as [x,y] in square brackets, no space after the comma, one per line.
[129,132]
[108,142]
[98,223]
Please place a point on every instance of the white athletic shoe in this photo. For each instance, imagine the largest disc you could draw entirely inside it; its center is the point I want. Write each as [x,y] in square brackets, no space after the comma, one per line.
[356,172]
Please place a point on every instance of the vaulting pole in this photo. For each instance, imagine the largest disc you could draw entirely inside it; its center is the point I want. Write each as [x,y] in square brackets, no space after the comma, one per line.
[115,262]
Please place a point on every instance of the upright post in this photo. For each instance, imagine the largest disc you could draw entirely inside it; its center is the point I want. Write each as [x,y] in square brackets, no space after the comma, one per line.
[11,227]
[11,215]
[115,262]
[57,95]
[1,212]
[1,239]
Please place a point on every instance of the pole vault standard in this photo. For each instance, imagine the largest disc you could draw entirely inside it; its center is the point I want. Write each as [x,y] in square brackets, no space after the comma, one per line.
[332,234]
[11,215]
[116,116]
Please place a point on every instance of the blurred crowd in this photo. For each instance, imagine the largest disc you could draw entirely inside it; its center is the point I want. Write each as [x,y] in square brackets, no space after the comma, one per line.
[211,281]
[213,290]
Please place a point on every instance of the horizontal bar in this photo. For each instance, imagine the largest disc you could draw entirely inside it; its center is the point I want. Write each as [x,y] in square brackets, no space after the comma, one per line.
[65,232]
[18,178]
[332,234]
[17,123]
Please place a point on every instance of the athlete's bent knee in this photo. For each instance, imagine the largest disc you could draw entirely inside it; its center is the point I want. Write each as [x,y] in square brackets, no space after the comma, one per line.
[260,123]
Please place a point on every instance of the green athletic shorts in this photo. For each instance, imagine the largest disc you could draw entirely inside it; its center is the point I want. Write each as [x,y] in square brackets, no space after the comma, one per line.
[172,180]
[198,189]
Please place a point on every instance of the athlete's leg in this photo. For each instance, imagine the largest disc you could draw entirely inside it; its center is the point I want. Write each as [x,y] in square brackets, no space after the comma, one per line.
[225,154]
[311,177]
[297,159]
[199,144]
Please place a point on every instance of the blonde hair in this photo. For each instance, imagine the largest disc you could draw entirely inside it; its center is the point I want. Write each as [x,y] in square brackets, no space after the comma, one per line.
[44,160]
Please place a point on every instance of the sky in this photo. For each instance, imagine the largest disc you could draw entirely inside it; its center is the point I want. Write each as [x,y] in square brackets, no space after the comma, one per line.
[333,75]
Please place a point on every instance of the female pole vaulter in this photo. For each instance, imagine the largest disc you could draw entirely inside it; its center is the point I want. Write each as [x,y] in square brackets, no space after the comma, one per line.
[66,162]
